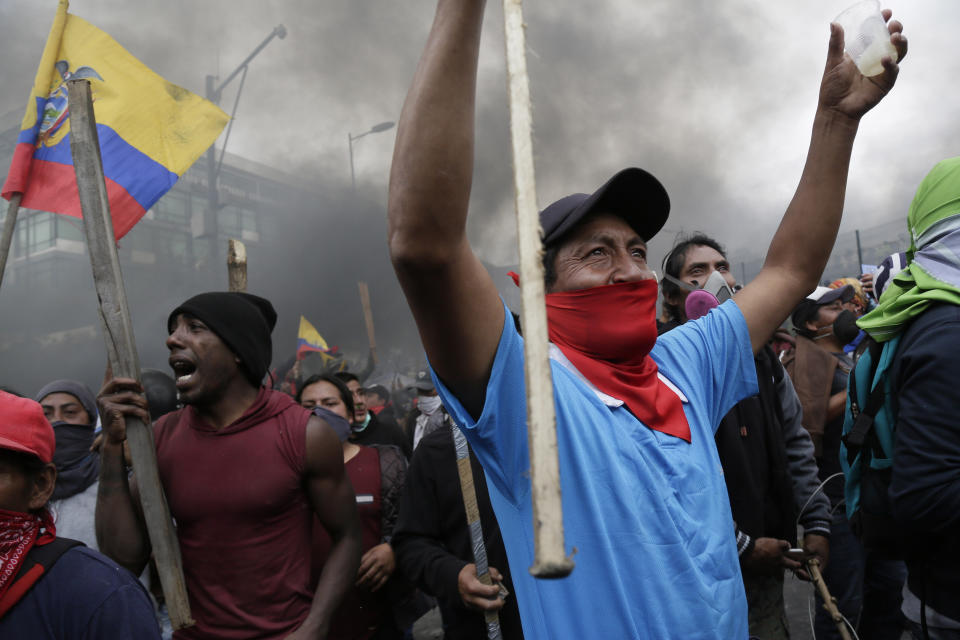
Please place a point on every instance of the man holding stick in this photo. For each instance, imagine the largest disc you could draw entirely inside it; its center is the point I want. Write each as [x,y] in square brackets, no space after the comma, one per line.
[644,498]
[244,469]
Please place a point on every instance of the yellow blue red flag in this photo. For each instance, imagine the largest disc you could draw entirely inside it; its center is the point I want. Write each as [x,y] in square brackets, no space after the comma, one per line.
[309,339]
[150,130]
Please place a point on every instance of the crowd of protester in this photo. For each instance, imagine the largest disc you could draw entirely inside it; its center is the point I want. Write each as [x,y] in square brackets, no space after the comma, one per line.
[703,454]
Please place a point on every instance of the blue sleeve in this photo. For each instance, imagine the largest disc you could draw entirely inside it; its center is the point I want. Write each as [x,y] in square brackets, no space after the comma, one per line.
[710,360]
[925,482]
[499,436]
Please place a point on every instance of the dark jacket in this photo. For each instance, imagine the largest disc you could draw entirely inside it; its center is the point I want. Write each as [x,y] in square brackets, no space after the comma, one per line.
[768,462]
[381,432]
[432,543]
[925,482]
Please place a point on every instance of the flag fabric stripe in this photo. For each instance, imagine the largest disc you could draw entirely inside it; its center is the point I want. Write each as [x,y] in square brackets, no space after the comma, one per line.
[144,178]
[49,178]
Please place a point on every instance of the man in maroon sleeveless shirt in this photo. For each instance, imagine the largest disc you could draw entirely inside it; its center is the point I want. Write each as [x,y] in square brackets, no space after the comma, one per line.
[244,469]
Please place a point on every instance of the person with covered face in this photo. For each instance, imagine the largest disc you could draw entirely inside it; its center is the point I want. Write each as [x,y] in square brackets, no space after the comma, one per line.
[367,427]
[766,454]
[71,408]
[867,587]
[919,306]
[52,587]
[377,473]
[428,415]
[643,493]
[245,470]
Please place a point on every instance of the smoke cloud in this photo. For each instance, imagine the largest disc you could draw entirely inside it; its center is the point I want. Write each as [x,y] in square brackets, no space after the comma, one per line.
[715,98]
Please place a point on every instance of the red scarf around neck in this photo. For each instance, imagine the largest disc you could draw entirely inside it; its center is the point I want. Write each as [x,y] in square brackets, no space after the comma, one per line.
[607,333]
[19,532]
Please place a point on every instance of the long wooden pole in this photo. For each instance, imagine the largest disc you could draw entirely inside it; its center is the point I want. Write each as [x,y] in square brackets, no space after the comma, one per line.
[829,603]
[469,492]
[237,265]
[368,318]
[121,348]
[550,559]
[8,226]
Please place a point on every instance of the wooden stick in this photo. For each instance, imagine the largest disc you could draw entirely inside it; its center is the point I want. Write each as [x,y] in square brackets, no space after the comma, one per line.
[8,225]
[550,559]
[237,265]
[368,318]
[121,348]
[469,493]
[829,602]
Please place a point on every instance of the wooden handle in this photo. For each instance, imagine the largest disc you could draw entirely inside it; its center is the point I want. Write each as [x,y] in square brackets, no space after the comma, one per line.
[8,226]
[368,318]
[829,603]
[237,265]
[550,559]
[121,348]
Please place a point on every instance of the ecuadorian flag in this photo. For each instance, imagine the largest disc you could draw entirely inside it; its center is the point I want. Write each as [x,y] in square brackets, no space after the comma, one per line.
[309,339]
[150,130]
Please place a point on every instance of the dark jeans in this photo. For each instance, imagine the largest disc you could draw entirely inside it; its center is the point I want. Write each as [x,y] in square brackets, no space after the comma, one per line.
[867,588]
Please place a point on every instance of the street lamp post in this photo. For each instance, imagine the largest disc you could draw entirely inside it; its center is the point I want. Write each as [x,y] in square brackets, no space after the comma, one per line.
[213,167]
[377,128]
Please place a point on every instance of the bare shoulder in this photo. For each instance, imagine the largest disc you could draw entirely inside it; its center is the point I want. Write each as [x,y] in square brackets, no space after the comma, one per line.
[324,453]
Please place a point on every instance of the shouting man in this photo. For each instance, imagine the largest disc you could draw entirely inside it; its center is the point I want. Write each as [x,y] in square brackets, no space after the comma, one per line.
[244,469]
[643,492]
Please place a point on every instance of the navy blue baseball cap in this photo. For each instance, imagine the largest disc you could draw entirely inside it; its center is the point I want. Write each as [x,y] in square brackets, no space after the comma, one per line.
[632,194]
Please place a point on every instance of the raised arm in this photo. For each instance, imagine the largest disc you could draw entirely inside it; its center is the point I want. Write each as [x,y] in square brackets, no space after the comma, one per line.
[333,500]
[800,248]
[454,301]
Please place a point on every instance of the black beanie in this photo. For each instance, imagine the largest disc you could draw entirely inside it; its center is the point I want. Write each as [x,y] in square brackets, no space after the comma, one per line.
[242,320]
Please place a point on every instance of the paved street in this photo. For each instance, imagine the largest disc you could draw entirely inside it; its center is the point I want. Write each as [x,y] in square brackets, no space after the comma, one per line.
[797,594]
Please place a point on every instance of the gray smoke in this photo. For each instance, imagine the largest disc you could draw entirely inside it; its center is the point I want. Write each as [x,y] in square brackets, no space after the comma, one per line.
[715,98]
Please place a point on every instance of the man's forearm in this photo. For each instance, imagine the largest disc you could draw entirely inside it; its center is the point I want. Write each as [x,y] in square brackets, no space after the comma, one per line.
[338,577]
[805,238]
[120,531]
[433,157]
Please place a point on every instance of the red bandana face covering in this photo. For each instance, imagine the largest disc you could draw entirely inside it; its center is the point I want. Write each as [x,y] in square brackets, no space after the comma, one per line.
[607,333]
[19,532]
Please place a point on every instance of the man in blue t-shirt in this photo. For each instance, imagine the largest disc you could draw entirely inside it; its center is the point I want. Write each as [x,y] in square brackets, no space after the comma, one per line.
[643,495]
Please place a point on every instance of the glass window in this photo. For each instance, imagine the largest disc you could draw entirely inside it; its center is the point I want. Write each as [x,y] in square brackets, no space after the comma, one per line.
[228,221]
[173,208]
[41,231]
[70,228]
[248,220]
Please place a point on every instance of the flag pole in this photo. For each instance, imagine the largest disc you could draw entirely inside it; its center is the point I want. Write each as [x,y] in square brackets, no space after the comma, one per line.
[8,225]
[550,559]
[121,348]
[469,492]
[368,319]
[237,265]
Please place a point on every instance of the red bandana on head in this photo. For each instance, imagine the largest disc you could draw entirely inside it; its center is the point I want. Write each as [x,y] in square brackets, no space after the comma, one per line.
[19,532]
[607,333]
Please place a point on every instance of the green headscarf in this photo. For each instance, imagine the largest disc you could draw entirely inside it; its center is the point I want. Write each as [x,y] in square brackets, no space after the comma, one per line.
[933,274]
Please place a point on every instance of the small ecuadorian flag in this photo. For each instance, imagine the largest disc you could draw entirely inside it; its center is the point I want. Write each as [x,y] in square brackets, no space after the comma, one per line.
[309,339]
[150,130]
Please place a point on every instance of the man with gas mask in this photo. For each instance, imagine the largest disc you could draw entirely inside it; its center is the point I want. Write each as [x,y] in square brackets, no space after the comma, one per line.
[71,408]
[766,454]
[820,369]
